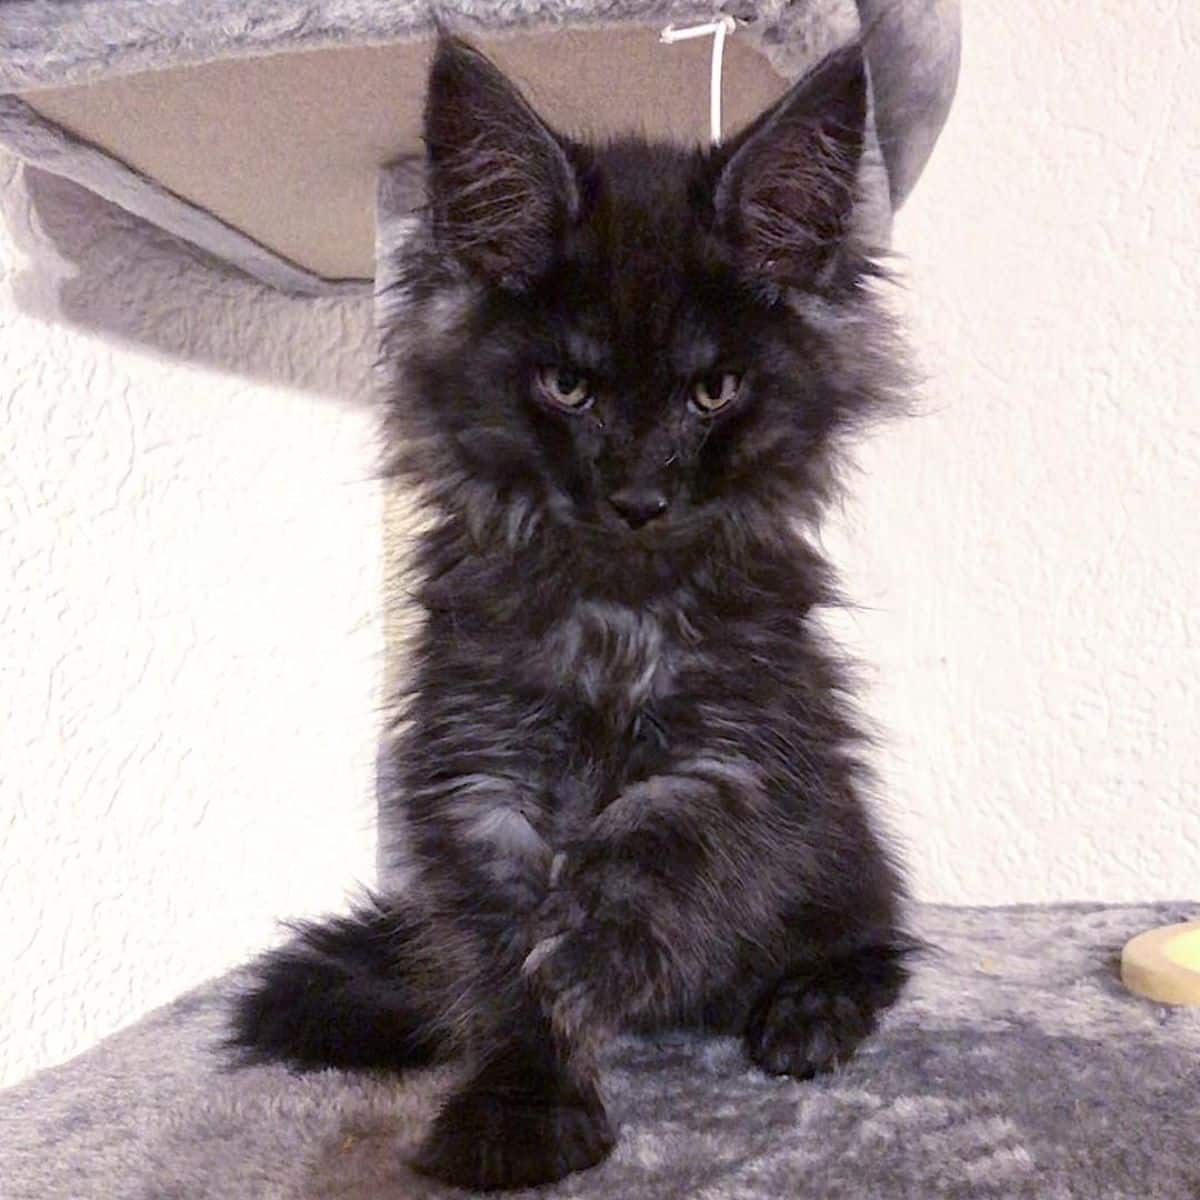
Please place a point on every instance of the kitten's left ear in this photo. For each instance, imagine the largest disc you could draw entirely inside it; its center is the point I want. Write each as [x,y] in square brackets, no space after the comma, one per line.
[786,190]
[500,186]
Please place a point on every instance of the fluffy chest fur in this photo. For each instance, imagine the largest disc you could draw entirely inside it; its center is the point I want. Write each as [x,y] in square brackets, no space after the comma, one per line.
[551,679]
[610,656]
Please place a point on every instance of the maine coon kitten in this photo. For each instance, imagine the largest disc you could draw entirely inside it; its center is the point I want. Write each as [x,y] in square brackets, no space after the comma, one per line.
[628,779]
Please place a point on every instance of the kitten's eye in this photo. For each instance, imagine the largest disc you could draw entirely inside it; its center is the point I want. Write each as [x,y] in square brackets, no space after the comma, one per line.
[710,393]
[564,387]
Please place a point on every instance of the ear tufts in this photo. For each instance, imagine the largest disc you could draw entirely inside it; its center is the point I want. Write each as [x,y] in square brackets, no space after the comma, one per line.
[501,188]
[787,188]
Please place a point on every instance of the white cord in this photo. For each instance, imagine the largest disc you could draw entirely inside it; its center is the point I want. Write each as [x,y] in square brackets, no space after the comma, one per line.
[719,30]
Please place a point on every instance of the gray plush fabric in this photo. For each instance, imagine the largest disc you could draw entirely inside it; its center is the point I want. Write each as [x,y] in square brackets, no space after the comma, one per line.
[1015,1066]
[913,53]
[914,57]
[51,43]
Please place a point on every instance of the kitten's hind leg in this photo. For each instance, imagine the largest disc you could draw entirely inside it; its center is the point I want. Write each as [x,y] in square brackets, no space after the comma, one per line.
[812,1018]
[526,1116]
[349,992]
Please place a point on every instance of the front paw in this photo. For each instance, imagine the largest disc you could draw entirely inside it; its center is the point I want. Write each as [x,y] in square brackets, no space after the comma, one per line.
[593,976]
[802,1030]
[813,1021]
[560,970]
[490,1140]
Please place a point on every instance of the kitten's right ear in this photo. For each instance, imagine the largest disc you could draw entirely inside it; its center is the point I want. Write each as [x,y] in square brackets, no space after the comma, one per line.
[500,186]
[787,185]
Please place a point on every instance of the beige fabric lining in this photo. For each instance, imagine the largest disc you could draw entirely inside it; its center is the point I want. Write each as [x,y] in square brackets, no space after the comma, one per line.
[286,148]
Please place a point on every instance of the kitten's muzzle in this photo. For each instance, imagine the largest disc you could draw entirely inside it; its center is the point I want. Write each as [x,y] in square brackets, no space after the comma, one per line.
[639,505]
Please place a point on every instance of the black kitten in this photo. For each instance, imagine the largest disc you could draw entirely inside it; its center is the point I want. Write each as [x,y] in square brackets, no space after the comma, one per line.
[628,776]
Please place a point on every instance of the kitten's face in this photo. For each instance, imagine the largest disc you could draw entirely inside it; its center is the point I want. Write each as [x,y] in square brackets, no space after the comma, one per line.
[617,336]
[646,381]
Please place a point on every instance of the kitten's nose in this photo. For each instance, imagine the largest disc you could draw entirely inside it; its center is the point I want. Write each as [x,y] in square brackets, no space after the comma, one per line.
[637,505]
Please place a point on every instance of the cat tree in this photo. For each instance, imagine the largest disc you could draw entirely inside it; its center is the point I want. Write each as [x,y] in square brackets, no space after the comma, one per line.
[281,138]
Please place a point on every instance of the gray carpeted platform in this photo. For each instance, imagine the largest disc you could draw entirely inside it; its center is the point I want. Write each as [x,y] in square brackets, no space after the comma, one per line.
[1016,1066]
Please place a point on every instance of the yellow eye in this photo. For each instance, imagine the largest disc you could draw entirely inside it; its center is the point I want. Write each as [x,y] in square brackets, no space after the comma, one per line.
[710,393]
[564,387]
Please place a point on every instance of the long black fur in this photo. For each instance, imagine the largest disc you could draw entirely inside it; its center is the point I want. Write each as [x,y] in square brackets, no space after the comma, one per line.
[629,778]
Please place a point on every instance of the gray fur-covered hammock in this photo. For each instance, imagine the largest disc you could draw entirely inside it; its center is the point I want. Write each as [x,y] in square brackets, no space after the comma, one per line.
[281,138]
[256,131]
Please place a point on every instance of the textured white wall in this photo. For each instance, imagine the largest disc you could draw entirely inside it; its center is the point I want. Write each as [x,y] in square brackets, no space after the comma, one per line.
[190,647]
[1028,553]
[190,638]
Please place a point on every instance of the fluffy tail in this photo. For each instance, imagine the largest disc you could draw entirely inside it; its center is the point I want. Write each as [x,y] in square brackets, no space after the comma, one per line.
[343,993]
